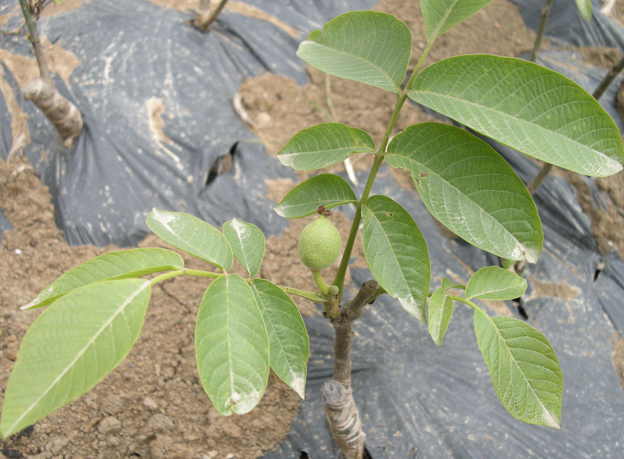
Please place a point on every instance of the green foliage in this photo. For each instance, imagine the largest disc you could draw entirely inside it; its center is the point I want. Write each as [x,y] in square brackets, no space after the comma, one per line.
[494,283]
[232,346]
[324,145]
[247,243]
[113,265]
[440,313]
[442,15]
[326,190]
[585,7]
[364,46]
[247,326]
[397,253]
[193,236]
[524,368]
[288,338]
[527,107]
[470,189]
[71,347]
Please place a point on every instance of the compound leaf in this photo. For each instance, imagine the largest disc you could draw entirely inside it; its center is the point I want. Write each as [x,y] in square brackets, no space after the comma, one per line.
[442,15]
[585,7]
[440,313]
[232,346]
[191,235]
[247,243]
[470,189]
[365,46]
[289,346]
[495,283]
[324,145]
[328,190]
[114,265]
[71,347]
[524,368]
[397,253]
[527,107]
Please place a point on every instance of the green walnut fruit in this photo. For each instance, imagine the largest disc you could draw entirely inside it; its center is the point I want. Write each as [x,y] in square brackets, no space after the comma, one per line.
[319,244]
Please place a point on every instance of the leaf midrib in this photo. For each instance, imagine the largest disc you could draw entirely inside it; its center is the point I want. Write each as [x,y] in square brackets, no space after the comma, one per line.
[396,89]
[435,35]
[385,233]
[467,197]
[106,324]
[519,120]
[513,359]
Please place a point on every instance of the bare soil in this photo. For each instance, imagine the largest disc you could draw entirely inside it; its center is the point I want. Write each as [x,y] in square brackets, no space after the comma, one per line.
[153,405]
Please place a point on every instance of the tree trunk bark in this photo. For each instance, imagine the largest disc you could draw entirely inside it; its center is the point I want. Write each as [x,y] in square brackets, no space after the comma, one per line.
[64,115]
[61,112]
[204,19]
[342,413]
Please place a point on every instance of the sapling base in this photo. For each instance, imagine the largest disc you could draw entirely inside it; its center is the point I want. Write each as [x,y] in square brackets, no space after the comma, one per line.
[205,17]
[63,114]
[248,325]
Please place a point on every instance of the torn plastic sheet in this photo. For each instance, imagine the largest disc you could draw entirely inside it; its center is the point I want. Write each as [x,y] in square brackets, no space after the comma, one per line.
[156,121]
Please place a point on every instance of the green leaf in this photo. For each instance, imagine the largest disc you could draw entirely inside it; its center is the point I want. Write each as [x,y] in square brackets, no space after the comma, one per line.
[289,346]
[440,313]
[494,283]
[71,347]
[324,145]
[524,368]
[192,235]
[448,284]
[585,7]
[527,107]
[113,265]
[364,46]
[327,190]
[232,346]
[247,242]
[442,15]
[397,253]
[470,189]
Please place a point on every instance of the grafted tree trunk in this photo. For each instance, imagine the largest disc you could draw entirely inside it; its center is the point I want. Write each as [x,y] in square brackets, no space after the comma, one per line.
[205,17]
[61,112]
[342,414]
[64,115]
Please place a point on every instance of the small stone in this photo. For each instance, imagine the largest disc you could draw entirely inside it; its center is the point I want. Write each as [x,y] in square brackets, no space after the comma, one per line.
[263,119]
[18,251]
[112,441]
[109,425]
[112,404]
[229,456]
[57,444]
[162,447]
[212,454]
[150,403]
[232,430]
[159,423]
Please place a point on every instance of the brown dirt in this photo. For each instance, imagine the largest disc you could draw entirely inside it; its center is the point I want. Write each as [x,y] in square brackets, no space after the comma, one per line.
[618,359]
[606,224]
[153,404]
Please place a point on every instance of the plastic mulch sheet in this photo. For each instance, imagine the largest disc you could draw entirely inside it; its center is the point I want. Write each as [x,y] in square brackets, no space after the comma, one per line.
[416,400]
